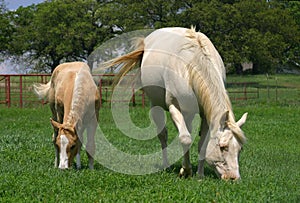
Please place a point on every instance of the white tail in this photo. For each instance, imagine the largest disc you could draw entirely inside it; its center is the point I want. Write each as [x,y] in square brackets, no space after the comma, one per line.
[41,90]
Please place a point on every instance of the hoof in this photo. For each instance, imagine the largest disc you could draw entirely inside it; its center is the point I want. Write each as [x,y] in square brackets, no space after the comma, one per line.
[185,173]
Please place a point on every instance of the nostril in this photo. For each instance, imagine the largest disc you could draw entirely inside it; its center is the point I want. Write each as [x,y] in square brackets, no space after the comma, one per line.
[237,178]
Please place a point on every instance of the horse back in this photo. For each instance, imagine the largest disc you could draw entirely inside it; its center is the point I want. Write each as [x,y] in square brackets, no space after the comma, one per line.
[62,85]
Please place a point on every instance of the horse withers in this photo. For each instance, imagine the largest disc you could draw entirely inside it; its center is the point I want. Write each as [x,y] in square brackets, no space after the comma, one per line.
[74,101]
[182,72]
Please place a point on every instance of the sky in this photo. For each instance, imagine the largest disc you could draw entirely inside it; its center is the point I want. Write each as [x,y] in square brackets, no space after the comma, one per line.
[14,4]
[7,67]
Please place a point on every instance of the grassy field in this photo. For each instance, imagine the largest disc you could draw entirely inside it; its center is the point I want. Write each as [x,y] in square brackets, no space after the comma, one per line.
[269,163]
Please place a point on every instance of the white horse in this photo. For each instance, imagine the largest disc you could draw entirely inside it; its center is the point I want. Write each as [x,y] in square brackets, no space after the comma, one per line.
[182,72]
[74,102]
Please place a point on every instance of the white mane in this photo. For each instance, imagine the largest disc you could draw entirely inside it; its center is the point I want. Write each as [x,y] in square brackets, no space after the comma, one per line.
[207,76]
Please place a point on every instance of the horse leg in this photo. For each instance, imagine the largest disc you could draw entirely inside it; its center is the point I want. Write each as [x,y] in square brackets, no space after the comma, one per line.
[203,133]
[186,163]
[54,135]
[90,145]
[185,139]
[78,161]
[159,119]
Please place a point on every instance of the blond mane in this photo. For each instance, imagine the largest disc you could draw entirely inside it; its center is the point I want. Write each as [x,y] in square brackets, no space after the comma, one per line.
[79,100]
[207,80]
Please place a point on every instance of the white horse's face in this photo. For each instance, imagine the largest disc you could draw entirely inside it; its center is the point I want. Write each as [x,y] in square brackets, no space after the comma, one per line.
[223,150]
[67,143]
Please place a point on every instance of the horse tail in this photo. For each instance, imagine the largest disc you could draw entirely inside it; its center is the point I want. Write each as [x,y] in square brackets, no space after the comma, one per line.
[42,90]
[128,62]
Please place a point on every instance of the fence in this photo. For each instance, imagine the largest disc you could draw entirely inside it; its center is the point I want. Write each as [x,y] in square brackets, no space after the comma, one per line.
[243,90]
[17,91]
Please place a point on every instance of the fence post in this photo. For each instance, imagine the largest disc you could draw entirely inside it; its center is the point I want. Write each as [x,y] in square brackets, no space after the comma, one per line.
[143,98]
[21,91]
[245,91]
[276,90]
[100,91]
[133,96]
[268,87]
[7,88]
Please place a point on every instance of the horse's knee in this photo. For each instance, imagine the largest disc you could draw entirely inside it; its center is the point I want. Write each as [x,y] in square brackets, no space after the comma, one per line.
[185,139]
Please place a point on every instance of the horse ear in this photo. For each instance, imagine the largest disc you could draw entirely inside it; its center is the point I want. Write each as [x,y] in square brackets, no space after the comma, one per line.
[55,124]
[242,121]
[224,119]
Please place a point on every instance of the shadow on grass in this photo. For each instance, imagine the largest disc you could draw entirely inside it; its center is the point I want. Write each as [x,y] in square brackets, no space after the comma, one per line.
[208,172]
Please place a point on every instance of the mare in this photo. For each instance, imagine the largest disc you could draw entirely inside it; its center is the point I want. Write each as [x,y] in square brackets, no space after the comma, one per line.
[74,102]
[181,72]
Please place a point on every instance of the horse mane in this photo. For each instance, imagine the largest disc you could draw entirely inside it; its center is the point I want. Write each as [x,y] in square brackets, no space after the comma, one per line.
[207,73]
[79,100]
[206,78]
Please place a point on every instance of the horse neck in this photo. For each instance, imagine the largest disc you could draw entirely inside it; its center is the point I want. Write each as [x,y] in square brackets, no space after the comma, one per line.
[214,102]
[78,104]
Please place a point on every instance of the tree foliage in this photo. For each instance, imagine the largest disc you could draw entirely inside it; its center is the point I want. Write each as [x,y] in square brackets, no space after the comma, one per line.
[263,32]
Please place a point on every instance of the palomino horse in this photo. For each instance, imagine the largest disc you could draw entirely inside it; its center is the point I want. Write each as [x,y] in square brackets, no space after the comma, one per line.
[74,102]
[182,72]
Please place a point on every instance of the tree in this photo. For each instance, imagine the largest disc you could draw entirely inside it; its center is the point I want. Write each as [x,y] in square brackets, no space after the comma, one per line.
[129,15]
[57,31]
[249,30]
[264,32]
[6,28]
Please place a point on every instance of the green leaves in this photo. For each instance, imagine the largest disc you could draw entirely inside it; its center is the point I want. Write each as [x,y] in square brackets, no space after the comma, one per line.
[264,32]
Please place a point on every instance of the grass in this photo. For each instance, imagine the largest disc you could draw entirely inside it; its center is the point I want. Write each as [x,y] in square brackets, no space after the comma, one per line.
[269,163]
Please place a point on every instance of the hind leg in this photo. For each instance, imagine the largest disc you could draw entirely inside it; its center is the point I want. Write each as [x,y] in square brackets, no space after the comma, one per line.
[159,119]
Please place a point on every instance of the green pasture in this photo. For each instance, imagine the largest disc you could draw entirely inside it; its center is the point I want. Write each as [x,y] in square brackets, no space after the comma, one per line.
[269,162]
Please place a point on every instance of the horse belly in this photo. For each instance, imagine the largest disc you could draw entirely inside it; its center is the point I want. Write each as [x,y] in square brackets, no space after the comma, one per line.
[153,85]
[164,88]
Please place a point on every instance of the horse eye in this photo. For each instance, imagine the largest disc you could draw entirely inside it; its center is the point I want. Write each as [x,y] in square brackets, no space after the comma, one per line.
[72,147]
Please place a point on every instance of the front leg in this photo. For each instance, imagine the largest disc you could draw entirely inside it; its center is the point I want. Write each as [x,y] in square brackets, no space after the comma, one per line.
[78,161]
[90,146]
[184,138]
[56,159]
[203,134]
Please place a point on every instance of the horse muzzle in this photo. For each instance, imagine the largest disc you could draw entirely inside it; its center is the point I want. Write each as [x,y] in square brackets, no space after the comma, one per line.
[64,164]
[230,176]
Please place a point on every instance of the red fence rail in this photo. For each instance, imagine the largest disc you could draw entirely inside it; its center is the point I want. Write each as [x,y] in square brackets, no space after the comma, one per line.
[17,90]
[243,90]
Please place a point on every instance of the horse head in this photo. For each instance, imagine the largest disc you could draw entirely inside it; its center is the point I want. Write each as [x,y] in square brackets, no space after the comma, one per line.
[224,146]
[67,142]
